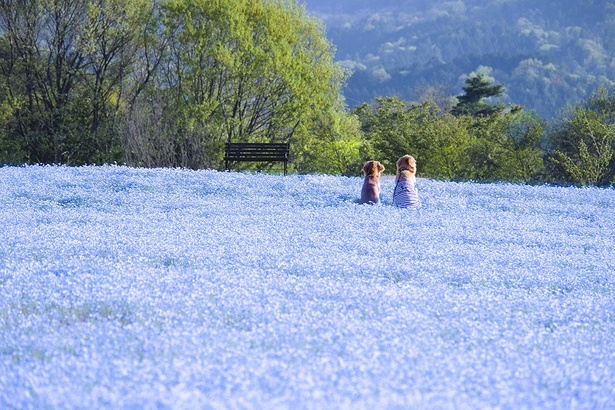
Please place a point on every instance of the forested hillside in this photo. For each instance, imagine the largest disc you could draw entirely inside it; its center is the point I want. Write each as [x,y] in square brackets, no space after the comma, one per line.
[547,54]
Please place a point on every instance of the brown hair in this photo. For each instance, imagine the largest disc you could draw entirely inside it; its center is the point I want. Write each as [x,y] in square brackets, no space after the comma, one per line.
[373,167]
[406,163]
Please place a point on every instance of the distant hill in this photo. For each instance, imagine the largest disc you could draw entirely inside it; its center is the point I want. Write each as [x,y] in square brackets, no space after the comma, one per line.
[547,53]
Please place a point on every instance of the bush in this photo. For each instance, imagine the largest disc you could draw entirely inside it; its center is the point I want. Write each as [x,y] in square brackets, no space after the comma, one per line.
[581,146]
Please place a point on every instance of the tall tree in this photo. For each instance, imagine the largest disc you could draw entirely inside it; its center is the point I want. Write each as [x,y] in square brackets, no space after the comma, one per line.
[65,67]
[166,83]
[477,88]
[242,70]
[504,147]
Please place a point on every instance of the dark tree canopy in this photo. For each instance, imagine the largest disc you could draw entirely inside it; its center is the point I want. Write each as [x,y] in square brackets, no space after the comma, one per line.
[476,89]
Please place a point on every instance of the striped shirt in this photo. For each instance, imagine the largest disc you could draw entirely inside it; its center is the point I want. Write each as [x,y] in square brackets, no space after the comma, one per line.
[406,195]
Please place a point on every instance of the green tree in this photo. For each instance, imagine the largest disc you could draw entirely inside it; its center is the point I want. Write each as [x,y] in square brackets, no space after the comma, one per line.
[11,151]
[243,71]
[437,140]
[523,136]
[339,149]
[390,129]
[592,163]
[500,147]
[504,147]
[449,146]
[581,145]
[478,87]
[66,63]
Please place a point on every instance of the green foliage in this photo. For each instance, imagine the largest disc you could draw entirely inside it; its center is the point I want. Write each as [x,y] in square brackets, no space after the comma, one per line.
[395,128]
[505,148]
[389,128]
[582,145]
[244,71]
[67,64]
[167,83]
[523,135]
[499,147]
[337,150]
[476,89]
[11,151]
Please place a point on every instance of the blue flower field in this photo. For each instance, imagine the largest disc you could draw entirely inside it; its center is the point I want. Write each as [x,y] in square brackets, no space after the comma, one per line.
[124,288]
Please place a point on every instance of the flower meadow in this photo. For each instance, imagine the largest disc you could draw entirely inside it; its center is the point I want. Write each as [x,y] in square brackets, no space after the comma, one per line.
[125,288]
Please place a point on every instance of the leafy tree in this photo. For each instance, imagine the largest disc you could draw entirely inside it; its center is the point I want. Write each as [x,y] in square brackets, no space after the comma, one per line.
[395,128]
[168,83]
[602,102]
[66,63]
[591,164]
[477,88]
[581,147]
[339,149]
[11,151]
[504,147]
[390,129]
[523,133]
[500,147]
[257,70]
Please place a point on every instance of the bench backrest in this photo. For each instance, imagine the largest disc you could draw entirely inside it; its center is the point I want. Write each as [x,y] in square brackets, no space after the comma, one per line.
[257,151]
[251,151]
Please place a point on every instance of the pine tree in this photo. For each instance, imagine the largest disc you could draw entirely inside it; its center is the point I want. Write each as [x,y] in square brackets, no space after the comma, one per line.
[476,89]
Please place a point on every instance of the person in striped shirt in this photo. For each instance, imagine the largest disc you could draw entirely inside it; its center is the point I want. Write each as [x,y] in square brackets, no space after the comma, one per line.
[405,194]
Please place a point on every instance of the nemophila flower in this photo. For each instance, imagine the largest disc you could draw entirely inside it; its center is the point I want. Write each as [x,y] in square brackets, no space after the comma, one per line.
[123,287]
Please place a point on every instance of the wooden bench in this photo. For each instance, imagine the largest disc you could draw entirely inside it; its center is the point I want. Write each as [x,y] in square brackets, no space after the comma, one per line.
[238,152]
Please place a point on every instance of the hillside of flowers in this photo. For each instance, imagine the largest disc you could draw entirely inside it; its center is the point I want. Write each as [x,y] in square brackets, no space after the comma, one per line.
[124,288]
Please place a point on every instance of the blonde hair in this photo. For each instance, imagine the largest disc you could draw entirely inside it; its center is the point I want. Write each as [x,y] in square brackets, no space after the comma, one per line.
[406,163]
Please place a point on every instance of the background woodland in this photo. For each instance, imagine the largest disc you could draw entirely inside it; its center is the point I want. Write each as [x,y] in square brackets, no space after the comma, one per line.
[548,54]
[485,91]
